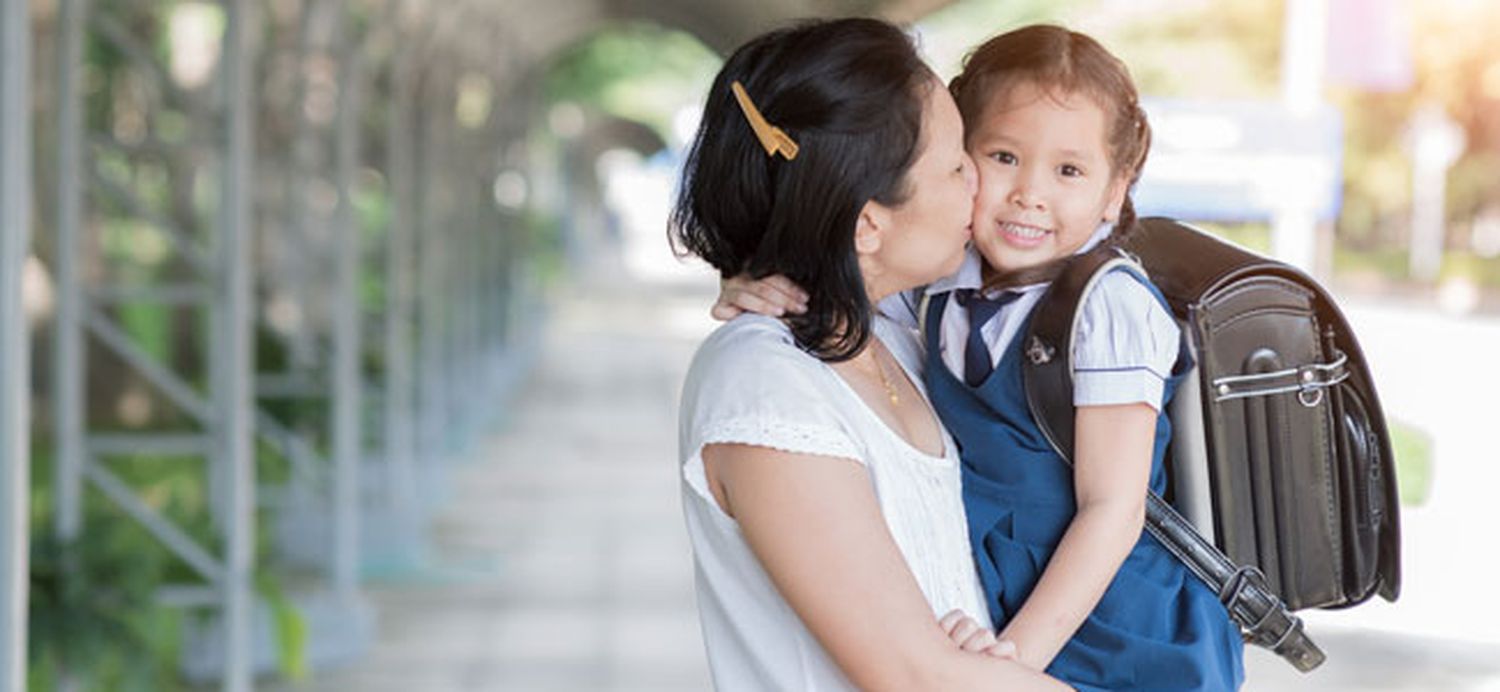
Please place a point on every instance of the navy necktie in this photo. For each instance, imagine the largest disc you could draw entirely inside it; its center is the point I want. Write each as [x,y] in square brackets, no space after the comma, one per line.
[977,359]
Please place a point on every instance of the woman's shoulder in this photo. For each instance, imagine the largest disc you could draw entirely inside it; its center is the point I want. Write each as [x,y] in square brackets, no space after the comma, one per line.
[755,360]
[750,383]
[753,343]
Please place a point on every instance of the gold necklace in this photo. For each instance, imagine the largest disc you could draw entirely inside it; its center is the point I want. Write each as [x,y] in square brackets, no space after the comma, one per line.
[890,390]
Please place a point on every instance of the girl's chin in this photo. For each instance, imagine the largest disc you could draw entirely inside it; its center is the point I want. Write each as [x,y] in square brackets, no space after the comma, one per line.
[1014,260]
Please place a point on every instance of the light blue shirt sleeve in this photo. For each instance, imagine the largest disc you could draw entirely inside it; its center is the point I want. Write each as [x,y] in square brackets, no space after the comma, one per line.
[1125,345]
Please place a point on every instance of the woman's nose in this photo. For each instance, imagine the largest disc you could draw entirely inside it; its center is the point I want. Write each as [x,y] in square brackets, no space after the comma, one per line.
[971,176]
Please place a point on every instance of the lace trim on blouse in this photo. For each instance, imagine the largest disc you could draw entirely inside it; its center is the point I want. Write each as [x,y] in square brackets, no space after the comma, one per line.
[783,436]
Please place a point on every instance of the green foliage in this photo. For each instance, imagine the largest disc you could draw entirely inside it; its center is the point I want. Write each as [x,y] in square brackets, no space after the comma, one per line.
[1251,236]
[290,626]
[92,611]
[1413,451]
[635,71]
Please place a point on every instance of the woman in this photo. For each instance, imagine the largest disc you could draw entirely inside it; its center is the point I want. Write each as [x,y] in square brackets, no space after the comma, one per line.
[821,493]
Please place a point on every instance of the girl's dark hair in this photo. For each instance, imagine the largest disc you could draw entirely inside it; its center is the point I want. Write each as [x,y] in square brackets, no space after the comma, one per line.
[850,92]
[1062,62]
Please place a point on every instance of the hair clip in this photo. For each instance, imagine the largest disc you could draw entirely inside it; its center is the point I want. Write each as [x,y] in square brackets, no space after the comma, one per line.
[771,137]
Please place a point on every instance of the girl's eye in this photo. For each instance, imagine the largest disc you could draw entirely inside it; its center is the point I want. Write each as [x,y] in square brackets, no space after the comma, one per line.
[1004,157]
[1070,171]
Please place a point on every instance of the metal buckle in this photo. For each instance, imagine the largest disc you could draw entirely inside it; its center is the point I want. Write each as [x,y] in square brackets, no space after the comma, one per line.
[1307,381]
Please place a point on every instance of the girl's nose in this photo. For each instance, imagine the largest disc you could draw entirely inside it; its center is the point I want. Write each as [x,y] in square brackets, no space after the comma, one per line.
[1027,190]
[1025,197]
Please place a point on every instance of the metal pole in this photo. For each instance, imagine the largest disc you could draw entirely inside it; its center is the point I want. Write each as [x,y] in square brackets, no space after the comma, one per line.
[15,367]
[303,159]
[436,113]
[399,408]
[347,392]
[1294,234]
[235,397]
[68,362]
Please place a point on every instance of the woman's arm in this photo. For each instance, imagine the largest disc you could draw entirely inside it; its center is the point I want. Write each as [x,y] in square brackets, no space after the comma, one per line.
[816,527]
[1110,478]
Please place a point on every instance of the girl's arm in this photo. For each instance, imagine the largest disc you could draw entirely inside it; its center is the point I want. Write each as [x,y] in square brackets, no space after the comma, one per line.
[772,296]
[778,296]
[1110,477]
[815,526]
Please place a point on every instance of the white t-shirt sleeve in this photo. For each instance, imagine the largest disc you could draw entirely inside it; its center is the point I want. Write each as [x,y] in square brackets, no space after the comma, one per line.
[751,385]
[1125,346]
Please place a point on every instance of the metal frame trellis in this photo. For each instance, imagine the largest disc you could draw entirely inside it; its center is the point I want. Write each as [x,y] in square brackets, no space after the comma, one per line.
[225,411]
[443,238]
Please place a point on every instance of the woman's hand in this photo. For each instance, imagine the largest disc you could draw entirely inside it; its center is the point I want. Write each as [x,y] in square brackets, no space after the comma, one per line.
[974,637]
[773,296]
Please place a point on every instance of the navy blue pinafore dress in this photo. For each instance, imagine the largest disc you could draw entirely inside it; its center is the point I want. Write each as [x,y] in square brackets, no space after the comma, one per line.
[1157,627]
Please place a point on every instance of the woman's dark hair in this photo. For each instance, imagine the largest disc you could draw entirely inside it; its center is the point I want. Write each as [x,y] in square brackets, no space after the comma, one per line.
[850,92]
[1061,62]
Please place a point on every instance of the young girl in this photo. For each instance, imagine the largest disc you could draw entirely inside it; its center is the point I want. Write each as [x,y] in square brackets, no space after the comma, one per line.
[1053,123]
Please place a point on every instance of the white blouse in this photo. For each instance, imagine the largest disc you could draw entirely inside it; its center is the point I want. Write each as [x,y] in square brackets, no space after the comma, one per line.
[750,384]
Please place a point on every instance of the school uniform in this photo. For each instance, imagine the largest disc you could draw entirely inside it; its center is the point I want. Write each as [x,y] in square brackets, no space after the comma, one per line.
[1157,627]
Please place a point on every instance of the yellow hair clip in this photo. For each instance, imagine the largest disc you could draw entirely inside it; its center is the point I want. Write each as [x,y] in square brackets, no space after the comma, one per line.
[770,136]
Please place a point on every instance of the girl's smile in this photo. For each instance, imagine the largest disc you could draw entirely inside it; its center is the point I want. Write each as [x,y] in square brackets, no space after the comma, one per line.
[1022,235]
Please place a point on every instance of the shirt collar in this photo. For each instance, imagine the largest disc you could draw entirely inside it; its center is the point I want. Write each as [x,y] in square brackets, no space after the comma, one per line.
[970,274]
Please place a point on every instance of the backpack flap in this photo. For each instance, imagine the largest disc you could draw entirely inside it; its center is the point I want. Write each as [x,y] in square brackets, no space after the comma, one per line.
[1271,456]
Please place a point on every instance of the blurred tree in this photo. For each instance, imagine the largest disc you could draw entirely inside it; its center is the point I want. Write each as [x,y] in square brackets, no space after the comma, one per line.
[635,71]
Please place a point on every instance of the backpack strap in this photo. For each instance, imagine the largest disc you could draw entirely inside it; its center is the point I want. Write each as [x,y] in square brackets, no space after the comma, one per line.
[1047,377]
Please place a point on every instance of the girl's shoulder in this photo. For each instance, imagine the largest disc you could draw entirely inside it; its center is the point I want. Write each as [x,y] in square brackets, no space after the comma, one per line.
[1125,315]
[1126,293]
[1125,344]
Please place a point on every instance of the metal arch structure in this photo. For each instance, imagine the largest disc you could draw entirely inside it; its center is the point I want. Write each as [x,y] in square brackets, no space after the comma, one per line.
[449,330]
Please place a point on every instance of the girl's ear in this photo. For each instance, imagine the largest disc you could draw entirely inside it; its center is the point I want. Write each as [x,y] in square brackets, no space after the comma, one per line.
[870,228]
[1115,198]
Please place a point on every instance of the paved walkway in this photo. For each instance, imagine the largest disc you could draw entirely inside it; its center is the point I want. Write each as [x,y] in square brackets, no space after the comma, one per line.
[561,564]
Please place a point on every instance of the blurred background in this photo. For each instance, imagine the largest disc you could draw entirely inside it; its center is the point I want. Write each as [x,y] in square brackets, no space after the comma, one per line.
[340,340]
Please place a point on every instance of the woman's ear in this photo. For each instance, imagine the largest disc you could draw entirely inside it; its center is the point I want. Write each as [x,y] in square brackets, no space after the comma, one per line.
[870,228]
